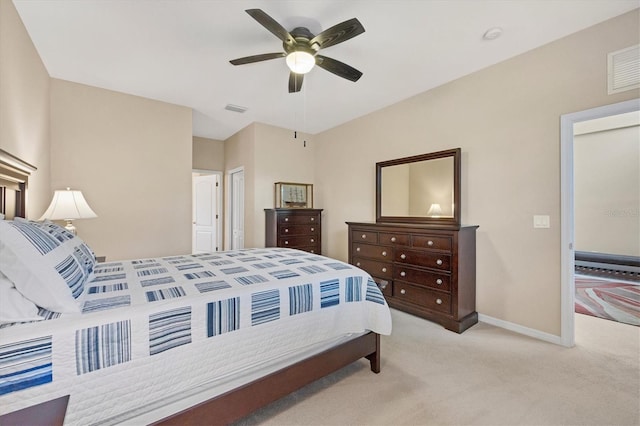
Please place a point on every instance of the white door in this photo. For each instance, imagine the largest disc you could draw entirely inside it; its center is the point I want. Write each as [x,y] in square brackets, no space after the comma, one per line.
[237,209]
[205,213]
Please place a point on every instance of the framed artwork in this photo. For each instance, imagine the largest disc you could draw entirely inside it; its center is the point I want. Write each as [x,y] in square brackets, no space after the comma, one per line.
[294,195]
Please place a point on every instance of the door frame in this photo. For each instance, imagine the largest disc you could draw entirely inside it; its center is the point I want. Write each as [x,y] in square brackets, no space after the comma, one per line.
[567,218]
[219,199]
[229,206]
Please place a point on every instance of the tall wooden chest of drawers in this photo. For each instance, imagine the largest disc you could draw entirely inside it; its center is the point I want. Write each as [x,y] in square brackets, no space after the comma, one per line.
[294,228]
[424,270]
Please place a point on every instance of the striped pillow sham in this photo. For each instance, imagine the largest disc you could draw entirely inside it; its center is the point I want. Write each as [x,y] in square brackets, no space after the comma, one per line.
[47,264]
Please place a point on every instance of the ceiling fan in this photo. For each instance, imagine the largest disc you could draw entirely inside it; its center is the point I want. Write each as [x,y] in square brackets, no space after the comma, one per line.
[301,48]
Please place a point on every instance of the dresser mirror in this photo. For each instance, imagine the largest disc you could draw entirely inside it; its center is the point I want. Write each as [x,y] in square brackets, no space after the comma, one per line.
[422,188]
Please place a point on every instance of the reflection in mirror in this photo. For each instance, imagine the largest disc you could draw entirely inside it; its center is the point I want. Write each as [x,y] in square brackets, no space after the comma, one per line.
[423,188]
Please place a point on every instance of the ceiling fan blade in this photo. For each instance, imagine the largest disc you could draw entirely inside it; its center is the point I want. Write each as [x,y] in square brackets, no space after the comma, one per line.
[338,68]
[338,33]
[295,82]
[257,58]
[272,25]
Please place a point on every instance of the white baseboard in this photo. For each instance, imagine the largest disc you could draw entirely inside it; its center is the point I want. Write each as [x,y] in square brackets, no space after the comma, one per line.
[536,334]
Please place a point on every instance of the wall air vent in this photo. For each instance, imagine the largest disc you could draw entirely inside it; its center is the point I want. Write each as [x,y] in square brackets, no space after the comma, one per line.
[235,108]
[623,69]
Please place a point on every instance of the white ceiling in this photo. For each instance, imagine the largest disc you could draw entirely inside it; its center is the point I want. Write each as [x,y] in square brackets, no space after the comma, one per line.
[178,51]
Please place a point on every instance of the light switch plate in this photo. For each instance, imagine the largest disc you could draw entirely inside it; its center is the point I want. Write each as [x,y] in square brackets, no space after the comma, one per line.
[541,221]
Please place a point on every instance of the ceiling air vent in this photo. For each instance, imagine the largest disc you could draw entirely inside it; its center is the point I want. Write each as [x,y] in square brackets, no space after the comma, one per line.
[624,69]
[235,108]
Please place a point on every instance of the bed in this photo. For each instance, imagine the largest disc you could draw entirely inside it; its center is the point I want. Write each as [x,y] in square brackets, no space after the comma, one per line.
[191,339]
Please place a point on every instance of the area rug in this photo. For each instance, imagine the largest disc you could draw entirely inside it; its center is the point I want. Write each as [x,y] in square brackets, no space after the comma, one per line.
[608,299]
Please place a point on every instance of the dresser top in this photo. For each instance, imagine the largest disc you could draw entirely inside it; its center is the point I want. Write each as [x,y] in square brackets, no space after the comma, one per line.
[416,225]
[297,209]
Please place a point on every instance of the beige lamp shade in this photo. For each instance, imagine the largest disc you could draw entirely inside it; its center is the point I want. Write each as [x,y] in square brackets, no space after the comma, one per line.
[68,205]
[435,210]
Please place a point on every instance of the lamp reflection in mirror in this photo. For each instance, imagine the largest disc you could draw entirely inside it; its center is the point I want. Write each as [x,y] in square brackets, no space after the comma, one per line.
[435,210]
[68,205]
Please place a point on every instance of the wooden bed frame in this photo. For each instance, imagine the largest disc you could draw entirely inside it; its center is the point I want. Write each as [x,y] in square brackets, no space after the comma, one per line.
[14,181]
[223,409]
[246,399]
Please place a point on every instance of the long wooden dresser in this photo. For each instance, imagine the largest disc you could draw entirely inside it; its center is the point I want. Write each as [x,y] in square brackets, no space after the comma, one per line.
[294,228]
[426,270]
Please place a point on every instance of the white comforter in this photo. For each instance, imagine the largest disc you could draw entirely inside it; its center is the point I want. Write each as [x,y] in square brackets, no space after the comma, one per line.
[154,332]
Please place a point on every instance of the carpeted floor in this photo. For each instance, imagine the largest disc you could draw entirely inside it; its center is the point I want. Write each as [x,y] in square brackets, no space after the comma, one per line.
[609,299]
[486,376]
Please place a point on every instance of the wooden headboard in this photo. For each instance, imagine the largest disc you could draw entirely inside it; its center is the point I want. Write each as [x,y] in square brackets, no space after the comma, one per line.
[14,181]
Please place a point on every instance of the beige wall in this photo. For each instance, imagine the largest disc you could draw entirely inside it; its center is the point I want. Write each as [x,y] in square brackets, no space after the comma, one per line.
[279,158]
[131,157]
[268,155]
[506,119]
[239,152]
[208,154]
[24,106]
[607,186]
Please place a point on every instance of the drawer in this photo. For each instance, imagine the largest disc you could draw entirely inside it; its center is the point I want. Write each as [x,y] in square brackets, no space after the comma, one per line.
[286,230]
[430,299]
[379,269]
[310,249]
[372,251]
[428,259]
[391,238]
[386,286]
[298,219]
[364,236]
[298,241]
[422,277]
[435,242]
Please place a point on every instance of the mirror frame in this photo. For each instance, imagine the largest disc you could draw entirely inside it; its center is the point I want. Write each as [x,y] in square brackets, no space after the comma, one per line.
[448,221]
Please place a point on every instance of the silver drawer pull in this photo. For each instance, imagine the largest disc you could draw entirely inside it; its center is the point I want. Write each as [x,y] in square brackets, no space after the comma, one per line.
[286,230]
[403,256]
[312,219]
[384,285]
[313,229]
[384,269]
[402,291]
[384,253]
[364,236]
[313,251]
[357,248]
[286,243]
[439,301]
[357,263]
[286,219]
[393,239]
[439,281]
[429,243]
[439,262]
[403,274]
[312,240]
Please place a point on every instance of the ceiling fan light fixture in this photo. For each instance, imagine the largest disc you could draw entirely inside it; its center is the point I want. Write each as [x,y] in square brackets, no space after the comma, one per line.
[300,62]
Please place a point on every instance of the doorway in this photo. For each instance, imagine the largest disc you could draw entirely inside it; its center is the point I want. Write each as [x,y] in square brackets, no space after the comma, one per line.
[567,220]
[236,208]
[206,227]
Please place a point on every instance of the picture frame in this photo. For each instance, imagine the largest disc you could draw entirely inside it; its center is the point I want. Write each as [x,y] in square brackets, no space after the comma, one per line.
[293,195]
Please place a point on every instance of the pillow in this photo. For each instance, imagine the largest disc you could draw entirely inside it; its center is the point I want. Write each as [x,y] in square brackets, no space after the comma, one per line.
[47,264]
[14,307]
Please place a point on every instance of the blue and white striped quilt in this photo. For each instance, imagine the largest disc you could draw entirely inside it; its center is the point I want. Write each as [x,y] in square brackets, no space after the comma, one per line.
[217,312]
